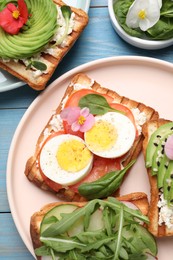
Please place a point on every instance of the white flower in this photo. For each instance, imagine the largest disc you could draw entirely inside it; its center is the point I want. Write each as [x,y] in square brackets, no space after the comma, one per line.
[143,14]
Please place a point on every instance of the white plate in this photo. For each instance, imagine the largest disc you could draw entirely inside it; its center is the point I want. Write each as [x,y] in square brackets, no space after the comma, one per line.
[143,79]
[137,42]
[9,82]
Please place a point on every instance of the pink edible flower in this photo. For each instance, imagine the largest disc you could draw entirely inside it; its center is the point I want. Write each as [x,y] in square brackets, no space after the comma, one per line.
[169,147]
[79,119]
[13,18]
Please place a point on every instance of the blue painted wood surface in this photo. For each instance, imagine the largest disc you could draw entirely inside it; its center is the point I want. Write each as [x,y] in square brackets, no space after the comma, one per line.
[14,103]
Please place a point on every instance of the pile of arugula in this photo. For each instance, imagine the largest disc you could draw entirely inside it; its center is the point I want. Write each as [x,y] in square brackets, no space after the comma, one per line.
[123,237]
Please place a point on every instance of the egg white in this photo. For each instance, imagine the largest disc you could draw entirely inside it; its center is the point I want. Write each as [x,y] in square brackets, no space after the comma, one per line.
[50,166]
[125,135]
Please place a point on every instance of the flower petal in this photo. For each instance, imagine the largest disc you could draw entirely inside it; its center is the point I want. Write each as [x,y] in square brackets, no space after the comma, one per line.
[75,126]
[90,120]
[169,147]
[70,114]
[151,8]
[23,10]
[85,111]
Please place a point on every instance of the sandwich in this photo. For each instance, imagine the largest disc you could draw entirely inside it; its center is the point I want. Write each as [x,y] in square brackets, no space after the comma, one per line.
[89,143]
[99,229]
[35,35]
[157,149]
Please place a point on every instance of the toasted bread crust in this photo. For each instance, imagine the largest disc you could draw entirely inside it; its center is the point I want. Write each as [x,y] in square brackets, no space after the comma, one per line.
[18,69]
[137,198]
[32,171]
[159,231]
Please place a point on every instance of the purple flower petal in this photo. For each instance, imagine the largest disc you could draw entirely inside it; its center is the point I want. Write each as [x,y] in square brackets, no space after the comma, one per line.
[75,126]
[85,112]
[169,147]
[90,120]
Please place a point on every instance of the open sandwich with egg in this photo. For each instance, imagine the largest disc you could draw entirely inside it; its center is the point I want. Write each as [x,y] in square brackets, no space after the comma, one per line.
[89,143]
[35,35]
[100,229]
[158,153]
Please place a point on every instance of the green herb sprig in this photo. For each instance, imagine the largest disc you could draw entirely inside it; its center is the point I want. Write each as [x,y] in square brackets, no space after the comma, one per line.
[36,64]
[66,12]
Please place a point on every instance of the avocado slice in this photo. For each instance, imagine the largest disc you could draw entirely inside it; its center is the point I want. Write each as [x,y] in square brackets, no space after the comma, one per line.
[159,152]
[35,35]
[162,170]
[167,182]
[155,140]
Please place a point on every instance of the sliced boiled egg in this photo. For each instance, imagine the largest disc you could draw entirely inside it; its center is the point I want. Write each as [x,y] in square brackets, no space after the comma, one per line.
[111,136]
[65,159]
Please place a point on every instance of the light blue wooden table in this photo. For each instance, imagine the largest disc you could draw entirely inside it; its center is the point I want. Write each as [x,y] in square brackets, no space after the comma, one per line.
[99,40]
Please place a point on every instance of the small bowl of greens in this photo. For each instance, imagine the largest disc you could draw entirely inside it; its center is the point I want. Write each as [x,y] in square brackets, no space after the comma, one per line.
[143,24]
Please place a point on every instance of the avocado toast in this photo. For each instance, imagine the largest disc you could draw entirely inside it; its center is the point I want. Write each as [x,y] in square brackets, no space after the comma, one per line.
[160,170]
[50,30]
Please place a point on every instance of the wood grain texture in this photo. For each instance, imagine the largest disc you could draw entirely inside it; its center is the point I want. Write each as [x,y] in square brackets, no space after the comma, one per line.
[14,103]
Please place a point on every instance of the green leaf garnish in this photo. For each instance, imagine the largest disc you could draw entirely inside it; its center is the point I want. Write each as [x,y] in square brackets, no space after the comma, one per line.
[105,186]
[97,104]
[66,12]
[37,64]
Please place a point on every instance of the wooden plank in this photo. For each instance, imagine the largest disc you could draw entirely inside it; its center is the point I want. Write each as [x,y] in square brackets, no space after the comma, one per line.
[11,245]
[9,120]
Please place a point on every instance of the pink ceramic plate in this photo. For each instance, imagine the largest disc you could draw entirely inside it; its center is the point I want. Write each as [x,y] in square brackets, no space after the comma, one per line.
[143,79]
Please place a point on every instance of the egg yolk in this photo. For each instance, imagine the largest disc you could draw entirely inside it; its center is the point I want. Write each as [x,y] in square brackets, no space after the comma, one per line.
[101,136]
[73,156]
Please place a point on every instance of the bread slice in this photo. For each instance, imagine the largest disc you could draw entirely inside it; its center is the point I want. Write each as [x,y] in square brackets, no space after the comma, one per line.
[81,80]
[18,69]
[157,230]
[139,199]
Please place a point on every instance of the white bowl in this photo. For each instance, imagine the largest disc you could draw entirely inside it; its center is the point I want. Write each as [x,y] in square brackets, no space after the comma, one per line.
[137,42]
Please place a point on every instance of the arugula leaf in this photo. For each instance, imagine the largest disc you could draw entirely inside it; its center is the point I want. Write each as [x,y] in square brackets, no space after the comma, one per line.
[68,220]
[96,103]
[61,244]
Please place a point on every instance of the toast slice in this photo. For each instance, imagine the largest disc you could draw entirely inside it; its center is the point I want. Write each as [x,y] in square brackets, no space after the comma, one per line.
[157,226]
[35,78]
[139,199]
[83,81]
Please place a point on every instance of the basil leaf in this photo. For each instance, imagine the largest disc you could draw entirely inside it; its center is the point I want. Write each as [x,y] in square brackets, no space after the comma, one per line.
[105,186]
[96,103]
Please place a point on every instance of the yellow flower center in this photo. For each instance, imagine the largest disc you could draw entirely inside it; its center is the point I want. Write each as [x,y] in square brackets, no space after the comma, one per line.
[16,14]
[81,120]
[142,14]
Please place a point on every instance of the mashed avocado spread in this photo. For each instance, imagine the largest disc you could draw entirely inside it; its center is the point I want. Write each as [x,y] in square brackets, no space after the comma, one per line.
[35,35]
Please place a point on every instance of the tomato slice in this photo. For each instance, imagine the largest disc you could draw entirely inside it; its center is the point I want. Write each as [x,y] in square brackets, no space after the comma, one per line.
[101,166]
[76,96]
[68,130]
